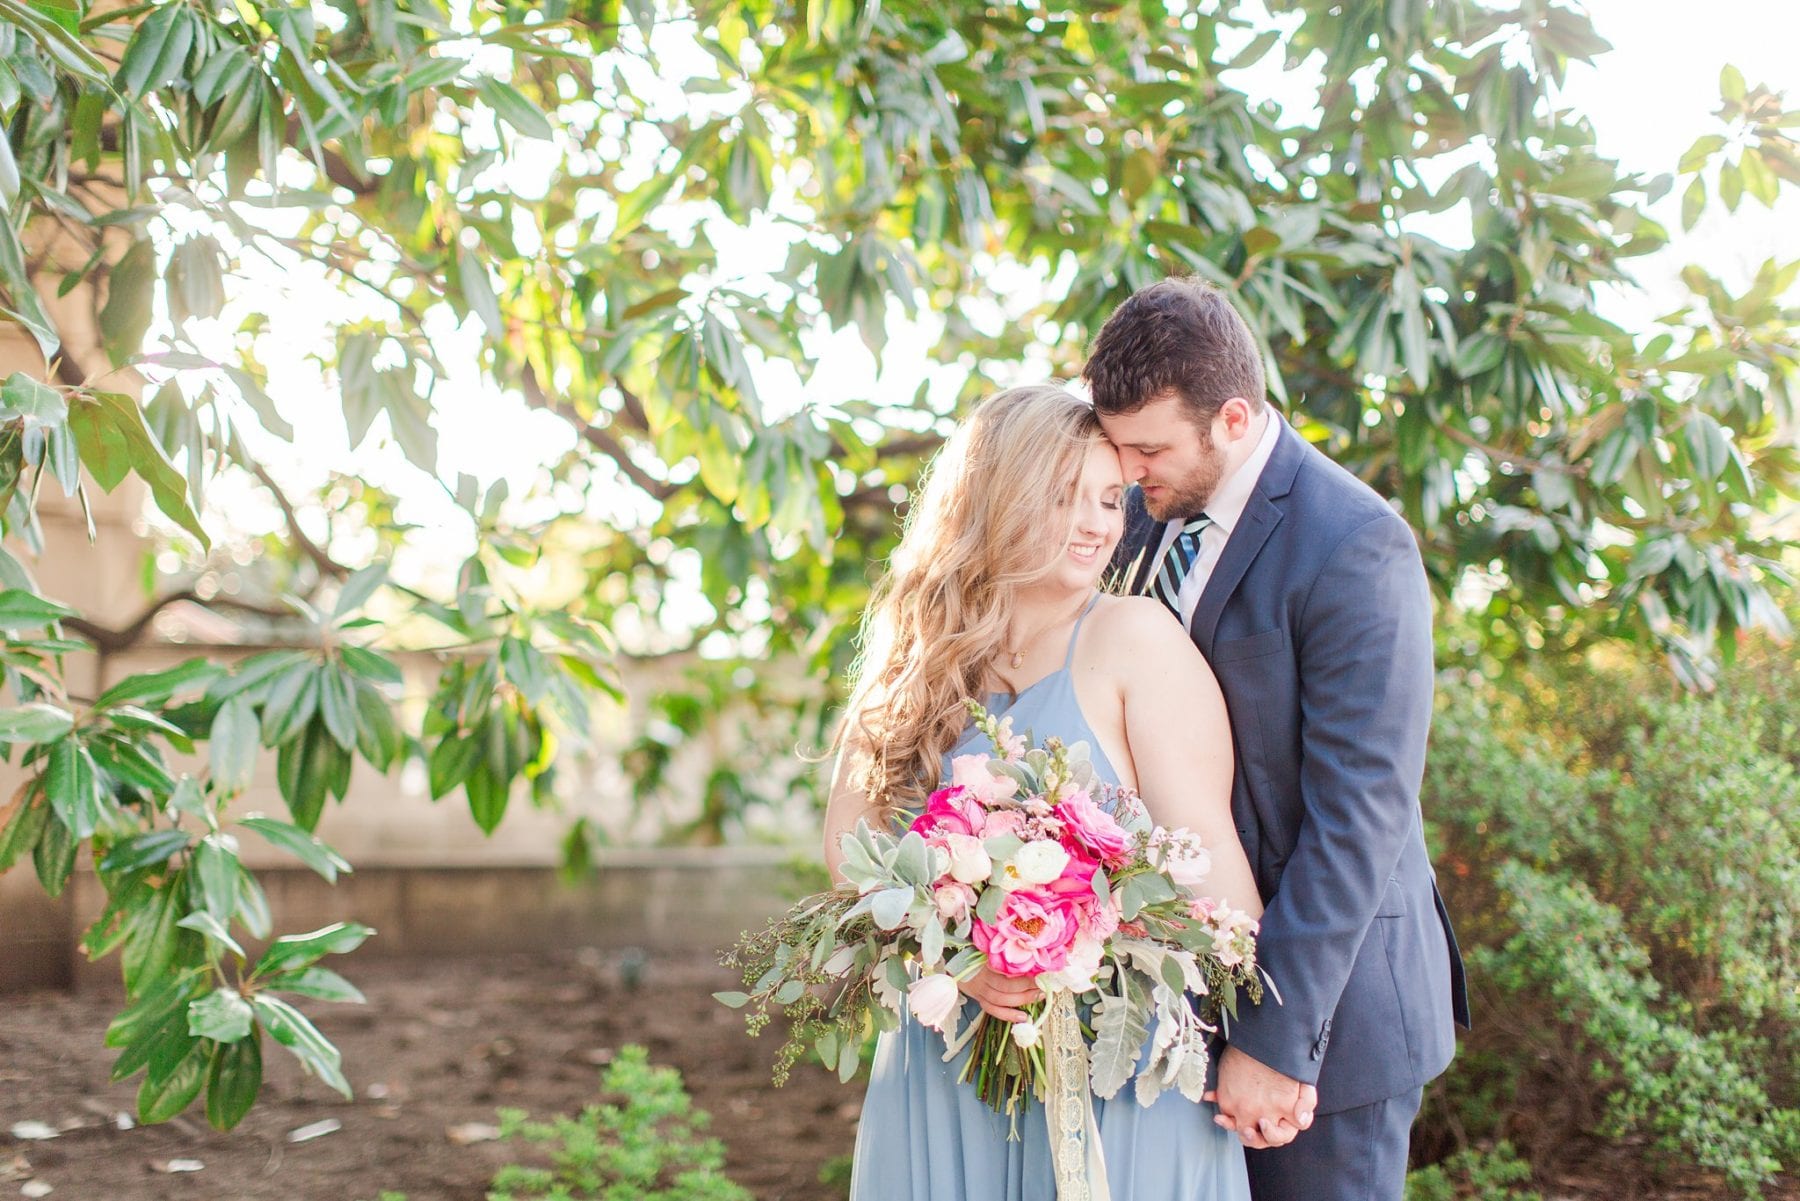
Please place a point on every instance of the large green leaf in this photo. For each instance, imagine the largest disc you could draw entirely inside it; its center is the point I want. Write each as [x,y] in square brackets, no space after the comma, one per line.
[156,686]
[154,939]
[234,744]
[216,870]
[301,844]
[233,1080]
[303,771]
[162,1097]
[294,951]
[109,428]
[54,855]
[22,303]
[72,783]
[514,108]
[35,723]
[22,826]
[337,705]
[222,1015]
[130,298]
[287,1026]
[36,403]
[20,609]
[378,735]
[157,51]
[321,983]
[144,850]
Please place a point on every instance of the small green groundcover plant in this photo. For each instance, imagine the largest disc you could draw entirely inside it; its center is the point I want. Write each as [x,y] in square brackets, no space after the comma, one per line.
[643,1142]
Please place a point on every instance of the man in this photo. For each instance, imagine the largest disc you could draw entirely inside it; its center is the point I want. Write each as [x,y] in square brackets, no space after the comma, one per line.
[1305,592]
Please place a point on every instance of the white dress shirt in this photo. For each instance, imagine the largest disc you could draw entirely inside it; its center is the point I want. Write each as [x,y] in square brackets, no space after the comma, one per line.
[1226,508]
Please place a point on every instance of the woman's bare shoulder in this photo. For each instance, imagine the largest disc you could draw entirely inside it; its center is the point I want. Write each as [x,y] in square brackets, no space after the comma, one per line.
[1134,626]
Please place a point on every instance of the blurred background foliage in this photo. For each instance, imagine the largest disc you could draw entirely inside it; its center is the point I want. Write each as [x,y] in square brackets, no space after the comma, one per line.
[645,222]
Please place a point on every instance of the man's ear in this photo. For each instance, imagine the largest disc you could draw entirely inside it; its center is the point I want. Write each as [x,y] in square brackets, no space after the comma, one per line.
[1236,415]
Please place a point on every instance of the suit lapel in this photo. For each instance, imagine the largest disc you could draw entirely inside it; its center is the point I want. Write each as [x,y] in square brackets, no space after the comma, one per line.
[1262,513]
[1260,518]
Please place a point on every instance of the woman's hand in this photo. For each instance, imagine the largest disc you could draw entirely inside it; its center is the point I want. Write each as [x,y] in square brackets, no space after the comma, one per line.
[1000,996]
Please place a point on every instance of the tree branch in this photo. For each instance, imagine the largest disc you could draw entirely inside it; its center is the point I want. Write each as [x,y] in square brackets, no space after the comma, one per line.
[110,641]
[327,565]
[596,436]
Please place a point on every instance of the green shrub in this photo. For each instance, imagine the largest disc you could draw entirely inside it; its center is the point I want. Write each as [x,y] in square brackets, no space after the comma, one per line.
[1623,861]
[1473,1175]
[645,1147]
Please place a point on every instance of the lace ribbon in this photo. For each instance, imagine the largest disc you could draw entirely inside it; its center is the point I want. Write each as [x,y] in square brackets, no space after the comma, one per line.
[1075,1152]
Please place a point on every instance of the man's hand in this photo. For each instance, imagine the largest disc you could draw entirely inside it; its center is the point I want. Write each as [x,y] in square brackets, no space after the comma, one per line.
[1264,1107]
[1000,996]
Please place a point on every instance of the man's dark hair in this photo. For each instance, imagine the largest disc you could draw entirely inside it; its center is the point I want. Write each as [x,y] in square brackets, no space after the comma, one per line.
[1180,335]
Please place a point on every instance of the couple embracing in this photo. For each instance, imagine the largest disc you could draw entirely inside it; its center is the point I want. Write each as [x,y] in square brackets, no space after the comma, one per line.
[1241,630]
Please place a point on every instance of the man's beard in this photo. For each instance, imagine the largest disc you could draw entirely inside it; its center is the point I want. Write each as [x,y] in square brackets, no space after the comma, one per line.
[1188,497]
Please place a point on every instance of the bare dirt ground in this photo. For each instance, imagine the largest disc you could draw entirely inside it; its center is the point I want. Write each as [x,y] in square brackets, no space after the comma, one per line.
[437,1049]
[440,1046]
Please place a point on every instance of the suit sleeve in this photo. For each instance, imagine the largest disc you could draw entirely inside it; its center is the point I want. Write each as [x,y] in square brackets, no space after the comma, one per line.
[1363,644]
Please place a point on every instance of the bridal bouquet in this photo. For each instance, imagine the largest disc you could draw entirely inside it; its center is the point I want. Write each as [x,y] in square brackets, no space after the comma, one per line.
[1018,863]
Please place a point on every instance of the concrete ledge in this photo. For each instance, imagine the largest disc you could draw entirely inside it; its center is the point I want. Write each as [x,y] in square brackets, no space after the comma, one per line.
[680,899]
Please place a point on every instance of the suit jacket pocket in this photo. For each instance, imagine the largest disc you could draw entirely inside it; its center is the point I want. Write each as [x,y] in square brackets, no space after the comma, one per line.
[1255,646]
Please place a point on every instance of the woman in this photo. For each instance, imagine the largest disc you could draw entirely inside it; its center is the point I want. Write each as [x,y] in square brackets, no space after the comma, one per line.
[993,593]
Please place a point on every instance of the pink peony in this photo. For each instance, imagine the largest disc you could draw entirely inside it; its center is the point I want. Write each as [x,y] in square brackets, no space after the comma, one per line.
[949,811]
[1094,828]
[953,900]
[932,999]
[1185,860]
[971,772]
[1032,933]
[1004,821]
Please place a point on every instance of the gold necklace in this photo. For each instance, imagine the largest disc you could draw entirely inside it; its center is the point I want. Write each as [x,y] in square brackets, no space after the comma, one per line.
[1016,659]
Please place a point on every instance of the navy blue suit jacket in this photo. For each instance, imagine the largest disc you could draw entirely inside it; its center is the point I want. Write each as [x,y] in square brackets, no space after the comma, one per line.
[1317,622]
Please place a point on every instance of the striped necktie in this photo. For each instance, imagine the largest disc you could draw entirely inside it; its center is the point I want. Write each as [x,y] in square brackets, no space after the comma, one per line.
[1178,562]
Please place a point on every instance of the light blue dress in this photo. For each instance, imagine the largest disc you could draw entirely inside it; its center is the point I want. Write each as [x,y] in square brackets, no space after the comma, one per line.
[926,1136]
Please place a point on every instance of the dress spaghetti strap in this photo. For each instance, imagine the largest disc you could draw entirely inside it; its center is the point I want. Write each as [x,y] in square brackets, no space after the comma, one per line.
[1069,658]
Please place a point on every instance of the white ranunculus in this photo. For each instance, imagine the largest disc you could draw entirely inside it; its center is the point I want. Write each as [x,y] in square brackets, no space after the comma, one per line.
[1077,975]
[1040,861]
[969,860]
[1026,1033]
[932,998]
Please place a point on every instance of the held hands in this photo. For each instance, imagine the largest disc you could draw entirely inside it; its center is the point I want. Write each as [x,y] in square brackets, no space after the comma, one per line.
[1262,1106]
[1000,996]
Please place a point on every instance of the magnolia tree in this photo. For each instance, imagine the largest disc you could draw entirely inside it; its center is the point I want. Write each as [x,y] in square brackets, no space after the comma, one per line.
[551,180]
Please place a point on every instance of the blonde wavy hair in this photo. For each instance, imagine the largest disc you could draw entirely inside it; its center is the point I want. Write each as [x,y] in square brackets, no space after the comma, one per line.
[986,521]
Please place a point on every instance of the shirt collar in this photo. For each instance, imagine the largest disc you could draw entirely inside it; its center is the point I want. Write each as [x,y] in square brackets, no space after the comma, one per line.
[1233,493]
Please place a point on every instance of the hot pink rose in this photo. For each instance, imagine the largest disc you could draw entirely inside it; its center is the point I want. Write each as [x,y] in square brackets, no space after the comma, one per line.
[1032,933]
[1076,885]
[949,811]
[1094,828]
[1077,879]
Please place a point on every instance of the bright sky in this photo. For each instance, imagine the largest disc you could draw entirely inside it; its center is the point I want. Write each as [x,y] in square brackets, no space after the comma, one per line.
[1648,100]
